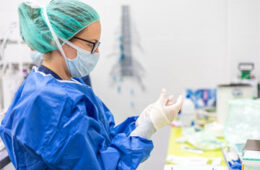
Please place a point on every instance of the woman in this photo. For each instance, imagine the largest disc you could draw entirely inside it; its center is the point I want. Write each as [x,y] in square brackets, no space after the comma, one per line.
[55,120]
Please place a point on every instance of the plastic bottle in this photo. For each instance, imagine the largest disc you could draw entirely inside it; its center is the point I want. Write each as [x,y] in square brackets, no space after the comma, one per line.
[187,116]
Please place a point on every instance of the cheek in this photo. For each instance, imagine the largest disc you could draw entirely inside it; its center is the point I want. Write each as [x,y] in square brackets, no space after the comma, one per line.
[70,52]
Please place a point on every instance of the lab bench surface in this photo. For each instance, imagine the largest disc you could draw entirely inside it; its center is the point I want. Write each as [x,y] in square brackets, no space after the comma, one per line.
[176,149]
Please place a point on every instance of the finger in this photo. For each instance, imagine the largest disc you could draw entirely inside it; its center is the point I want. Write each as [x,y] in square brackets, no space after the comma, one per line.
[169,101]
[180,100]
[163,97]
[163,90]
[178,104]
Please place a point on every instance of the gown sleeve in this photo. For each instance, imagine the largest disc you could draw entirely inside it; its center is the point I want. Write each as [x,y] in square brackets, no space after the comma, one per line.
[133,148]
[125,127]
[78,142]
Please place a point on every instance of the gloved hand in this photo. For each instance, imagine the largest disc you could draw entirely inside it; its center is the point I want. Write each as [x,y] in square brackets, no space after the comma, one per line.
[162,112]
[157,115]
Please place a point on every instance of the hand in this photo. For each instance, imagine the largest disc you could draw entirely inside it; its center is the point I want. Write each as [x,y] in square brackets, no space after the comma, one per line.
[145,114]
[162,112]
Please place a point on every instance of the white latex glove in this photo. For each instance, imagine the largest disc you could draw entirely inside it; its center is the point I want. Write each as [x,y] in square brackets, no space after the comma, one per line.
[145,130]
[162,112]
[144,115]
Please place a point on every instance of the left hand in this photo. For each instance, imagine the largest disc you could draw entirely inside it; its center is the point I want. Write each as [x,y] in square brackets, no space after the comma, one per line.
[162,112]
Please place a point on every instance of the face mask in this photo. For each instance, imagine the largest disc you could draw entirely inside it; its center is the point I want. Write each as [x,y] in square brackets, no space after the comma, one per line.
[37,58]
[83,64]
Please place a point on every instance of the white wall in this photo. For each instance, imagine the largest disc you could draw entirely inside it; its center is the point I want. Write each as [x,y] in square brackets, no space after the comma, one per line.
[243,34]
[187,44]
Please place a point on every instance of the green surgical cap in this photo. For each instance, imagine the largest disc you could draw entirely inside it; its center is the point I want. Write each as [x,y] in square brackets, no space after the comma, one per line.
[67,18]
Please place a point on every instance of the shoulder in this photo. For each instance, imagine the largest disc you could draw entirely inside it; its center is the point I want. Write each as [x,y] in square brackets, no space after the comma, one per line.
[40,86]
[44,91]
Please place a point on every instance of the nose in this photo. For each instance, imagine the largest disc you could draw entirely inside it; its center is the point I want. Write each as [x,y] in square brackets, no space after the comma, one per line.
[97,50]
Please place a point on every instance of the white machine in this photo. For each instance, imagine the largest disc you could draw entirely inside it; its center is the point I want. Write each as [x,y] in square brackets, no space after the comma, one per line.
[227,92]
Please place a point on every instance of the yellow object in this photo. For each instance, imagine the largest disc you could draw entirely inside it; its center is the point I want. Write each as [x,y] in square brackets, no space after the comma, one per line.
[175,148]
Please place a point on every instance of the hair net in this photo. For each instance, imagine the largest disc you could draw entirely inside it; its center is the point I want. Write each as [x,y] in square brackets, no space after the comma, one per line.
[67,18]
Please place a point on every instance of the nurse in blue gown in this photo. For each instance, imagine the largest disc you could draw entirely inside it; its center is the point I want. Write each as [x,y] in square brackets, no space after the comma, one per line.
[55,120]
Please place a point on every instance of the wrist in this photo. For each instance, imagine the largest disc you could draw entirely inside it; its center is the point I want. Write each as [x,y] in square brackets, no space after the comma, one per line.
[144,130]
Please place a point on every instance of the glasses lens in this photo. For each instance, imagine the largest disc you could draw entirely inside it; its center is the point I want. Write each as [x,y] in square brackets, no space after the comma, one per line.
[95,47]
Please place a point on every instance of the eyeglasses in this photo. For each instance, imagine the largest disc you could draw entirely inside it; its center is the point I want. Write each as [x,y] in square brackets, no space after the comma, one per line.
[95,44]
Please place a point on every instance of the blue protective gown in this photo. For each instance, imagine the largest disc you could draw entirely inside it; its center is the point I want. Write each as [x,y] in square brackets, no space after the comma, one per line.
[55,124]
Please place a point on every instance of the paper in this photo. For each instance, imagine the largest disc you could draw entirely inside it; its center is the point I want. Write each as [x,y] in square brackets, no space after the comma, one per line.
[199,167]
[178,160]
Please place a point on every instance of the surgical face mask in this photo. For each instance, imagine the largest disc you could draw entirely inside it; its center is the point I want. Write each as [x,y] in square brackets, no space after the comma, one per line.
[37,58]
[83,64]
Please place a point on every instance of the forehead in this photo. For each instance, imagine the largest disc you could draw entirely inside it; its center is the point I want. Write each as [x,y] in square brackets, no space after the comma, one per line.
[91,31]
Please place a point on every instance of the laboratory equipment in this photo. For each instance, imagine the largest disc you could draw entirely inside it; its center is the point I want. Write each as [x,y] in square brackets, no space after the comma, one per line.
[251,155]
[201,139]
[202,98]
[15,63]
[127,68]
[232,158]
[242,121]
[246,70]
[187,116]
[226,92]
[246,76]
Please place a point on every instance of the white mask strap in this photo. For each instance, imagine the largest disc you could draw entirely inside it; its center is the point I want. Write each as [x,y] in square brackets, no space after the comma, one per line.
[53,33]
[72,45]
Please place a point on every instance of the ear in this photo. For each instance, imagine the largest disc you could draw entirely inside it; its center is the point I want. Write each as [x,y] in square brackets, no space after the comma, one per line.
[30,48]
[70,52]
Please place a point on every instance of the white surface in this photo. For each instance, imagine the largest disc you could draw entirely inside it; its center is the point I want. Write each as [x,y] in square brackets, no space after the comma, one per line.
[17,53]
[244,33]
[215,128]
